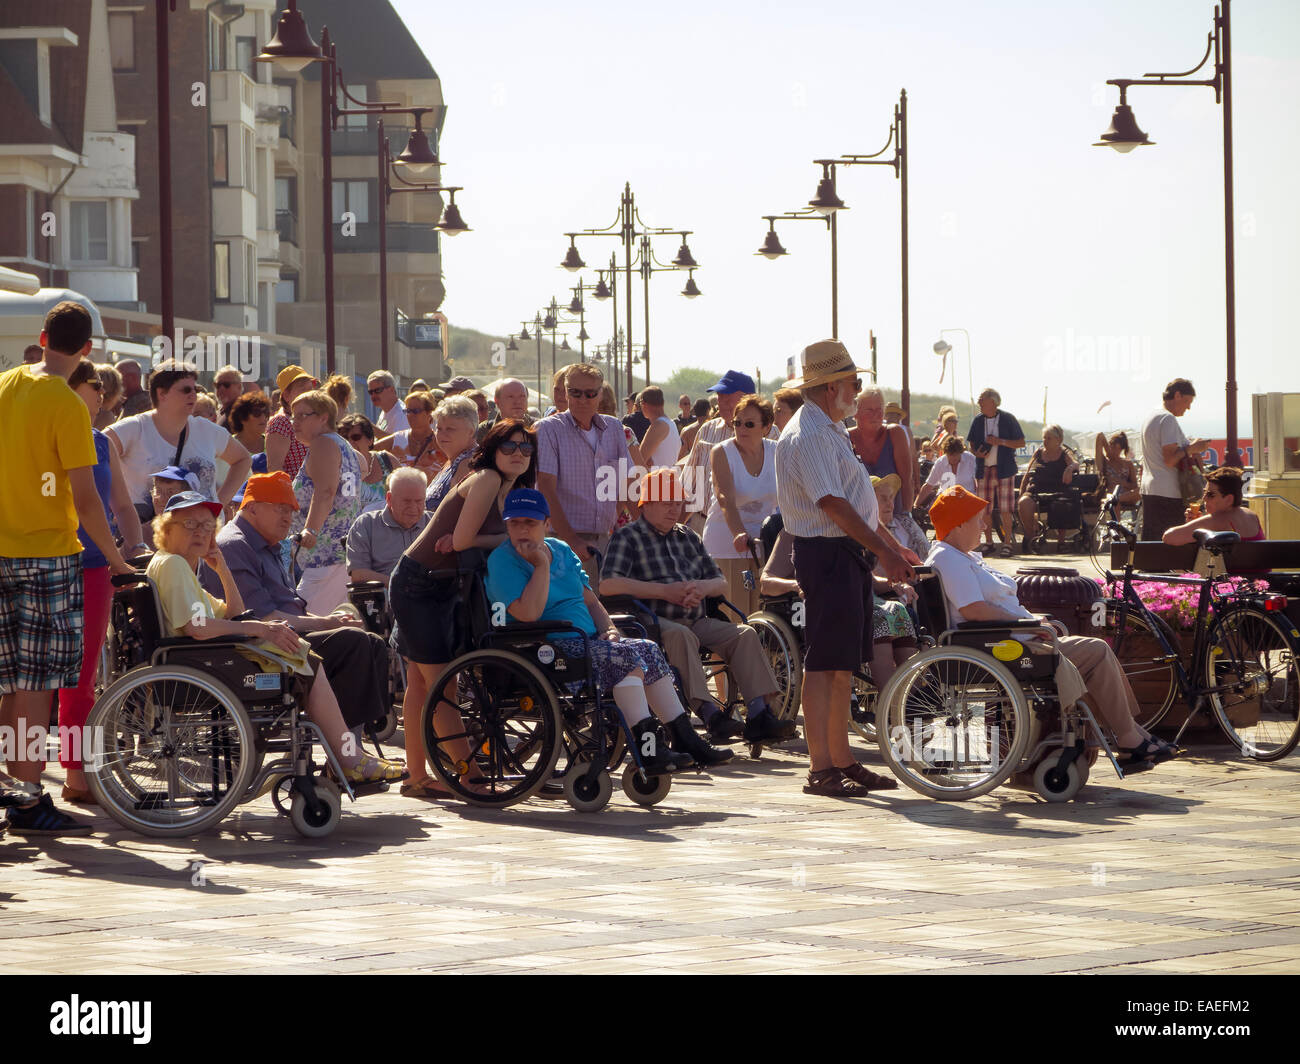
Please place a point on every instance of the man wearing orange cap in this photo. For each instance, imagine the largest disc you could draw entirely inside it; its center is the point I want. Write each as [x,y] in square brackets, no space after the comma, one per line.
[660,559]
[356,661]
[975,592]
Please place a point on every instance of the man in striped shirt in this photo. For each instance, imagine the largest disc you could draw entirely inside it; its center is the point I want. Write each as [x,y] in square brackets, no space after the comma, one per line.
[829,508]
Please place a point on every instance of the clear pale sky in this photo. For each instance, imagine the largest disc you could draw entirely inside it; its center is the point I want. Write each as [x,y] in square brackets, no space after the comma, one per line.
[1039,244]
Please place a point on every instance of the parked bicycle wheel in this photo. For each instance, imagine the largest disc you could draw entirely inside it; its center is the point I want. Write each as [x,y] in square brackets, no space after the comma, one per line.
[1250,662]
[1146,664]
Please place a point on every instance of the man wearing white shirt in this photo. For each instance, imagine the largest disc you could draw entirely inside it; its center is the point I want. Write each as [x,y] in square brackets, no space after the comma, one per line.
[1163,446]
[382,389]
[830,510]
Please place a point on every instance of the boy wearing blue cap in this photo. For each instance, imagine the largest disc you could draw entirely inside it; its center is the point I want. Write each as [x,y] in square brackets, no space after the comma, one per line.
[538,577]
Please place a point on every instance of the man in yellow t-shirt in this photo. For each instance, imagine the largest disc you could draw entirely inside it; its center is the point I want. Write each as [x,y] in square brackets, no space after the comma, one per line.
[47,487]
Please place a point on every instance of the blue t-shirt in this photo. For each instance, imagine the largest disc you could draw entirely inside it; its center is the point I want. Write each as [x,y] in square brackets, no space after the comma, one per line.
[508,575]
[93,557]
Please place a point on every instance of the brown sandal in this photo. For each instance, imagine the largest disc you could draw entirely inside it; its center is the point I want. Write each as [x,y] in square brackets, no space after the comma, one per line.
[872,781]
[831,783]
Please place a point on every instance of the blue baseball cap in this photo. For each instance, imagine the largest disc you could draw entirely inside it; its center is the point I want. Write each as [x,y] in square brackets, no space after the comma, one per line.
[734,381]
[526,502]
[173,472]
[183,500]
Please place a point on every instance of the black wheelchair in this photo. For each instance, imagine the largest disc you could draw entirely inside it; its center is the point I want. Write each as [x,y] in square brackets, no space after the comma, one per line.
[981,709]
[370,597]
[1073,509]
[181,731]
[528,717]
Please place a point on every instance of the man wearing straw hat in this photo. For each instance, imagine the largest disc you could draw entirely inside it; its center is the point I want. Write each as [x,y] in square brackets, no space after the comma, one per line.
[830,510]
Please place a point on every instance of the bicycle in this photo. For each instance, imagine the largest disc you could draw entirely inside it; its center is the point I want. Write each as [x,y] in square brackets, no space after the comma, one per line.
[1101,538]
[1245,658]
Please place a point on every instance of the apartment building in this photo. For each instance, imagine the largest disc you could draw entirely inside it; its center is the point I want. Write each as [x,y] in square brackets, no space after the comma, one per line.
[67,170]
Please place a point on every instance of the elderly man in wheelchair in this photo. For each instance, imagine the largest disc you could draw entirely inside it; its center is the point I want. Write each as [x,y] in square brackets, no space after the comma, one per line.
[659,560]
[183,732]
[960,719]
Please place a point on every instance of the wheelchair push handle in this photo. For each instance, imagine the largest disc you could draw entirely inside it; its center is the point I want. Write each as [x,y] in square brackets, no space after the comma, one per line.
[129,579]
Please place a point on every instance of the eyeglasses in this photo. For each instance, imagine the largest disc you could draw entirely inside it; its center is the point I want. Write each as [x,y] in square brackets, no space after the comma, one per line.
[199,526]
[229,384]
[746,424]
[357,437]
[511,446]
[409,410]
[187,389]
[302,414]
[857,385]
[377,391]
[97,385]
[583,393]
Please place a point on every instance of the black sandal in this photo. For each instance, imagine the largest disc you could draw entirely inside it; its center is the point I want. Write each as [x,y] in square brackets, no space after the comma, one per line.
[1151,751]
[872,781]
[832,783]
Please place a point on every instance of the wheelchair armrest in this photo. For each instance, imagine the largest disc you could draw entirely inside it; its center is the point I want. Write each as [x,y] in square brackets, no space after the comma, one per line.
[715,608]
[629,625]
[366,585]
[1019,624]
[129,579]
[186,641]
[539,626]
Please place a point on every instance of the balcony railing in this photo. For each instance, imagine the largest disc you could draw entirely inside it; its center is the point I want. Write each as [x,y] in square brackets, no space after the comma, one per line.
[417,332]
[402,237]
[362,140]
[286,224]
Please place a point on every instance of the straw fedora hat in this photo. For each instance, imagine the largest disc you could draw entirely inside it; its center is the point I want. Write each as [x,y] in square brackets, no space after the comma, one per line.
[824,362]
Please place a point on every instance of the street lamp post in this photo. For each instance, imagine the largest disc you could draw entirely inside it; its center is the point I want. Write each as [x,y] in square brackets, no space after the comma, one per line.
[772,250]
[537,331]
[627,226]
[1124,135]
[163,71]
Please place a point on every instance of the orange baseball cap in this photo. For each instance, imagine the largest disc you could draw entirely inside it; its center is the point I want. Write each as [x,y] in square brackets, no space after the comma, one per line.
[661,485]
[954,506]
[275,488]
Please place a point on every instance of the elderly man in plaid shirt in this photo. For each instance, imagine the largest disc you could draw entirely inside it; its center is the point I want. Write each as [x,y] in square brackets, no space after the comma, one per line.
[656,558]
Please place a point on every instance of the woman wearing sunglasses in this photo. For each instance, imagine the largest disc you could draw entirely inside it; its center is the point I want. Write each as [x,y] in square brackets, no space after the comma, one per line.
[424,584]
[744,493]
[1220,510]
[169,435]
[376,465]
[417,445]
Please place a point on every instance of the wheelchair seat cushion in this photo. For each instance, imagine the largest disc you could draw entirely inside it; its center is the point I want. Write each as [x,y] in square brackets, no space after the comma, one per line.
[249,681]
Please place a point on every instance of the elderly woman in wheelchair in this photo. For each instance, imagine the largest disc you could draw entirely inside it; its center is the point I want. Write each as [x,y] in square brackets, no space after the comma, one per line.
[188,729]
[539,578]
[960,719]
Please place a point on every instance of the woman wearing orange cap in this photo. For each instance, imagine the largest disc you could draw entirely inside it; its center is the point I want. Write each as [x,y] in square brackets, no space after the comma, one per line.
[976,592]
[283,448]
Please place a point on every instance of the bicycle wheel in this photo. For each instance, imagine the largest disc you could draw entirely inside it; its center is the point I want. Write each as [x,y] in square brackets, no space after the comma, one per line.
[1147,665]
[953,723]
[781,648]
[500,733]
[1250,666]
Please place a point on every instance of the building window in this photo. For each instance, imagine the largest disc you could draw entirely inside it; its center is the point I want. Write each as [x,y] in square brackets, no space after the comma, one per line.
[221,272]
[216,44]
[286,288]
[132,131]
[121,39]
[220,156]
[88,231]
[362,96]
[245,50]
[286,195]
[250,171]
[135,254]
[352,196]
[250,276]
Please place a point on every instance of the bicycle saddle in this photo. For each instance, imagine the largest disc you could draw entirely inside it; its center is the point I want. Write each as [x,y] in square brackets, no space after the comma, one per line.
[1218,542]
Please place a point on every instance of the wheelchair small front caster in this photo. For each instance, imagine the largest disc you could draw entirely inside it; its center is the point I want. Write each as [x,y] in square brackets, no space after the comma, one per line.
[645,792]
[315,825]
[385,727]
[587,794]
[1058,784]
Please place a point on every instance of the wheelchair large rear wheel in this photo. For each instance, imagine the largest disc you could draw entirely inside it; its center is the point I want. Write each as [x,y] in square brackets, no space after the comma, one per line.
[507,736]
[781,648]
[953,723]
[173,751]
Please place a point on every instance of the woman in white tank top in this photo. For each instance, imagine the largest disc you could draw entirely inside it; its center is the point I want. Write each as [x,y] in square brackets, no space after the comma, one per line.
[744,494]
[665,441]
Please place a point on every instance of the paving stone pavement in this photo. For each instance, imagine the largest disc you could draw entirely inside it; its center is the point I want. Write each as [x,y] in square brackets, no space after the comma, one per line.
[1192,868]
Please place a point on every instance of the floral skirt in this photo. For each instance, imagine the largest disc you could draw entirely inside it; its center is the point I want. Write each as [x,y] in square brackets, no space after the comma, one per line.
[611,662]
[890,621]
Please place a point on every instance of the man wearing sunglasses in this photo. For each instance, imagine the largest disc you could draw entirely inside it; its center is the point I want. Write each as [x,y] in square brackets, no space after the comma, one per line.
[580,455]
[382,390]
[229,385]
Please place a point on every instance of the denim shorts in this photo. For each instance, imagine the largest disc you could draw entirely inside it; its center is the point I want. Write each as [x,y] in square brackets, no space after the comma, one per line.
[425,605]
